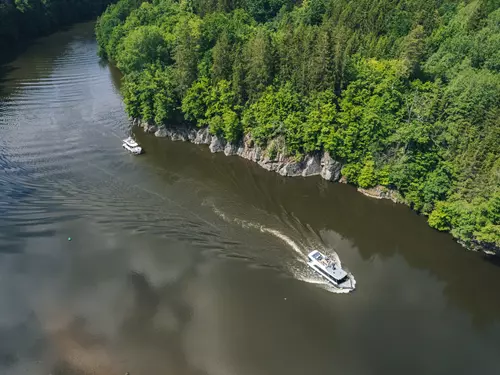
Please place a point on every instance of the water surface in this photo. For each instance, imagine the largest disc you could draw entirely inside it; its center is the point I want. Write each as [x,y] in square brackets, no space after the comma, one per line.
[168,270]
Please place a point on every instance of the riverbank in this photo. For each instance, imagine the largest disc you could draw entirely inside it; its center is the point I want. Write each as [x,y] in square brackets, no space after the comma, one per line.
[155,281]
[272,159]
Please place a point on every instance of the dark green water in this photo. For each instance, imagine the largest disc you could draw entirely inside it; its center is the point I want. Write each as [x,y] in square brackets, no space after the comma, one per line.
[166,272]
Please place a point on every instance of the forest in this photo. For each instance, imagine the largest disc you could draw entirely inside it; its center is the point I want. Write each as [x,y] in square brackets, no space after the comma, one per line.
[405,93]
[23,20]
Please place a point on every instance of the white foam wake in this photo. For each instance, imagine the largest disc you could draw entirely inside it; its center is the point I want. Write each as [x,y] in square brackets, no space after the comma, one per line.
[250,225]
[304,274]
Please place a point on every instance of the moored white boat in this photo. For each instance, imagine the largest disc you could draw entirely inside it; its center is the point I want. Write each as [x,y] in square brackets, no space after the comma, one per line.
[131,145]
[330,270]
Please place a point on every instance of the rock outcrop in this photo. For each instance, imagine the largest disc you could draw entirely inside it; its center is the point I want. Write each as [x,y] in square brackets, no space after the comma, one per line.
[312,166]
[330,168]
[381,192]
[276,161]
[231,149]
[161,132]
[146,126]
[202,137]
[217,144]
[291,169]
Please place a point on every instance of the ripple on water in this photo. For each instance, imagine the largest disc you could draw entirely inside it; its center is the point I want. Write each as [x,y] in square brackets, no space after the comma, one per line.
[43,137]
[299,269]
[61,124]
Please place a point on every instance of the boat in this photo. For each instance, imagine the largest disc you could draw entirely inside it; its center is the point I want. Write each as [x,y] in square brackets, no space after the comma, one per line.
[330,270]
[131,145]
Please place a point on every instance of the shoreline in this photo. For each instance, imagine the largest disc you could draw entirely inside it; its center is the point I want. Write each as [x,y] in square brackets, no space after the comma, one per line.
[320,164]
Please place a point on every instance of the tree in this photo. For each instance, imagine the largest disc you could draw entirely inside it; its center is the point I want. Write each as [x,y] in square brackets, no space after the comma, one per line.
[194,103]
[413,49]
[367,177]
[238,77]
[320,68]
[439,218]
[403,94]
[186,53]
[143,46]
[258,56]
[222,59]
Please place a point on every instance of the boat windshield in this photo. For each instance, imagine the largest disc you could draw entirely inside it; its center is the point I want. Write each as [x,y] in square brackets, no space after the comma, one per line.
[344,279]
[318,256]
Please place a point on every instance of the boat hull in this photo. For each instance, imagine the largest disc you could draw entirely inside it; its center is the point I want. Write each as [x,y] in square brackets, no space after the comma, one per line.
[347,284]
[134,150]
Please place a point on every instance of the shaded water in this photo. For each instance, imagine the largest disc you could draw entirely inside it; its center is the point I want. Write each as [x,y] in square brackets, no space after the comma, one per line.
[167,272]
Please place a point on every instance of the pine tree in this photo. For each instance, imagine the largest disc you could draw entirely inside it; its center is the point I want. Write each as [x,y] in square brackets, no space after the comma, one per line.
[185,57]
[413,49]
[259,63]
[222,59]
[238,77]
[320,71]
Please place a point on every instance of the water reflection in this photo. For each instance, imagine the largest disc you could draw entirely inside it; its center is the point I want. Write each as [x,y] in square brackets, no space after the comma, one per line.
[154,281]
[375,228]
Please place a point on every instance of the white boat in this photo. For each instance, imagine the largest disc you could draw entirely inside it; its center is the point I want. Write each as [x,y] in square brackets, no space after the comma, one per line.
[131,145]
[330,270]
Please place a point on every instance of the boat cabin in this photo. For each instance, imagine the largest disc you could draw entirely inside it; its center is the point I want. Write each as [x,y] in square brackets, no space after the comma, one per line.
[328,267]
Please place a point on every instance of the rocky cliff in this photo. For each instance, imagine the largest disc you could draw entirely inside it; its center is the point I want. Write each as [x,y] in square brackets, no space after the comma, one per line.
[274,159]
[310,165]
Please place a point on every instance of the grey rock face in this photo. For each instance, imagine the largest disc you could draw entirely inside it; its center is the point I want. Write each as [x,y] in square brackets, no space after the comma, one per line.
[217,144]
[269,165]
[311,165]
[330,168]
[161,132]
[179,134]
[150,128]
[231,149]
[192,135]
[254,154]
[291,169]
[203,137]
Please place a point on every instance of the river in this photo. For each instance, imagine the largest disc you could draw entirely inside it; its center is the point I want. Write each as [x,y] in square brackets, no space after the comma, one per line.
[185,262]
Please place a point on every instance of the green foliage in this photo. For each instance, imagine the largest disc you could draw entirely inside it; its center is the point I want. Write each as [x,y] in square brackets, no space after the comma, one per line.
[143,46]
[351,172]
[264,10]
[221,112]
[150,94]
[221,55]
[273,114]
[186,52]
[404,93]
[320,123]
[367,176]
[439,218]
[413,49]
[258,57]
[493,209]
[194,104]
[109,27]
[370,109]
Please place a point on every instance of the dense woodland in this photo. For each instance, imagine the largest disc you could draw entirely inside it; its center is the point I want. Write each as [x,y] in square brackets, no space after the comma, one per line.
[22,20]
[405,93]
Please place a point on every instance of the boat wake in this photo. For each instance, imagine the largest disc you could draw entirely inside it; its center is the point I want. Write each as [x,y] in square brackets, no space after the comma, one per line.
[304,274]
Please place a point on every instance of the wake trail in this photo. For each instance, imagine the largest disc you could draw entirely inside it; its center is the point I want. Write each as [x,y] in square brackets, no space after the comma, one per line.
[137,186]
[285,239]
[250,225]
[302,274]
